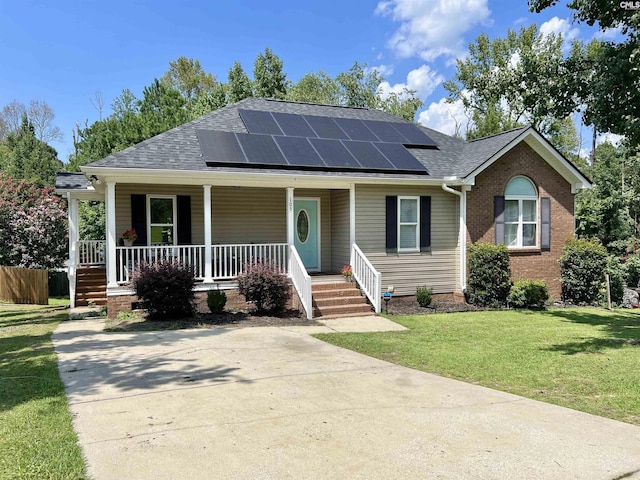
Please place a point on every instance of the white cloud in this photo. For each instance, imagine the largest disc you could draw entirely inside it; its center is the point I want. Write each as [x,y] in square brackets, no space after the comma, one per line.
[612,138]
[383,70]
[560,26]
[609,33]
[423,80]
[431,28]
[445,117]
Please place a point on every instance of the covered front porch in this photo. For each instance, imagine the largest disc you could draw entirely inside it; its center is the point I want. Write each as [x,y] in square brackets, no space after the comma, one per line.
[220,229]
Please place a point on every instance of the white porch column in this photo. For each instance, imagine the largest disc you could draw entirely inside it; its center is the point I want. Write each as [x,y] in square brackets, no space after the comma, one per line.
[463,237]
[110,200]
[73,246]
[290,228]
[208,274]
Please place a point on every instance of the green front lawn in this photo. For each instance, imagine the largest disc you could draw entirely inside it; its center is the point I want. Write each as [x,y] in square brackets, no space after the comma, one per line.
[586,359]
[37,440]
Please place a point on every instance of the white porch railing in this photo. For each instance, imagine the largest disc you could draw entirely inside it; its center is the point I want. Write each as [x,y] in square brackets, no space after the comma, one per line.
[130,258]
[90,252]
[229,261]
[301,281]
[369,279]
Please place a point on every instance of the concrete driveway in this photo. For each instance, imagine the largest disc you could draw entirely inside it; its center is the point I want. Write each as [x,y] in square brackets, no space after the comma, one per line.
[275,403]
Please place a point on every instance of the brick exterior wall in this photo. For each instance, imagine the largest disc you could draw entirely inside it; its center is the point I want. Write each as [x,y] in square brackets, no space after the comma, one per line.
[532,264]
[235,301]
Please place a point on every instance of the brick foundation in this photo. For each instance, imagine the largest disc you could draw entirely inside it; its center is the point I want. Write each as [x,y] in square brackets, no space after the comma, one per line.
[235,301]
[533,264]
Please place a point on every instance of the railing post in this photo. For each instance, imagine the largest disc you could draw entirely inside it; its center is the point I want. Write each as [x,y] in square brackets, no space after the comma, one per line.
[73,247]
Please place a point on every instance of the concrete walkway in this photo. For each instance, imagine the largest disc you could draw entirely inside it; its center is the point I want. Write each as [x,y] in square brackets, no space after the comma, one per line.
[275,403]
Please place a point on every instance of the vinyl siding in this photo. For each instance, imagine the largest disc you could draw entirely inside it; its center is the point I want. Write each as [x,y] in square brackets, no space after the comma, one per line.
[248,215]
[436,269]
[123,206]
[340,248]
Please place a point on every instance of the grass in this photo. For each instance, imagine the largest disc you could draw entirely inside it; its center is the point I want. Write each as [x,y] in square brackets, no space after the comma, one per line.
[37,440]
[585,359]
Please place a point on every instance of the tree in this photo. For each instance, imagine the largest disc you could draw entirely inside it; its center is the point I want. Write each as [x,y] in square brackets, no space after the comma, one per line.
[512,81]
[359,88]
[239,85]
[12,114]
[315,88]
[607,73]
[187,77]
[30,158]
[33,225]
[210,101]
[161,109]
[269,79]
[404,105]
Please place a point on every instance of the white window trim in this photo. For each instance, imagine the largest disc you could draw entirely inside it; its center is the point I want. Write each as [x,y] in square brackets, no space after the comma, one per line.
[416,223]
[174,199]
[521,222]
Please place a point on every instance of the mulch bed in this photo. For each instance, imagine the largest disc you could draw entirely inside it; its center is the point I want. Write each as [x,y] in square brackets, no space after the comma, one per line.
[409,306]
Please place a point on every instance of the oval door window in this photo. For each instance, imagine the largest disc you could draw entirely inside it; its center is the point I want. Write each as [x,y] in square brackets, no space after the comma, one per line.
[302,226]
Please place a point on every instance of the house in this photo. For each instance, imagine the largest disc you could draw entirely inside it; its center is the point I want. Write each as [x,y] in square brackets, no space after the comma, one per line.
[315,187]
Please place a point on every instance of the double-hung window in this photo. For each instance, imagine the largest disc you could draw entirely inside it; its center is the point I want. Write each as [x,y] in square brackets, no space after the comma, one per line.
[161,212]
[520,213]
[408,224]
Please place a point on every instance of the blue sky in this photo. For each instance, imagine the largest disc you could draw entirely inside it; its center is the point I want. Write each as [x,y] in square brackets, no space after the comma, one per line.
[64,52]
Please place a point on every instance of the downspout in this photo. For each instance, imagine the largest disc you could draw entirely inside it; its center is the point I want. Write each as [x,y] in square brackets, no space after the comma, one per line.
[462,232]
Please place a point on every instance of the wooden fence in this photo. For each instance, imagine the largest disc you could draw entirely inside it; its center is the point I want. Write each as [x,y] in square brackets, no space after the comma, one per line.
[24,285]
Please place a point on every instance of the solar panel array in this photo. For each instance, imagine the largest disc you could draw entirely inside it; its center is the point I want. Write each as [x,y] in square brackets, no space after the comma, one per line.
[309,142]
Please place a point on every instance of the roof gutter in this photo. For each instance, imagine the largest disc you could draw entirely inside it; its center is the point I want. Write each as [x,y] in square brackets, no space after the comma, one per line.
[462,231]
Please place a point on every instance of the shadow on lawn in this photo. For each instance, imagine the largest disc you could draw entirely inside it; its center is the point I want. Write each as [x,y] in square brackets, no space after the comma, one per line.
[621,329]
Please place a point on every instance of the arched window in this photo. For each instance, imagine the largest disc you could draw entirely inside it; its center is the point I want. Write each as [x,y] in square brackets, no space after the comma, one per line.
[520,213]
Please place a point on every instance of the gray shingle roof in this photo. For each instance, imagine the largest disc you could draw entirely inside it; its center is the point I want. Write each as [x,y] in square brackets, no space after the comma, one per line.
[178,148]
[72,181]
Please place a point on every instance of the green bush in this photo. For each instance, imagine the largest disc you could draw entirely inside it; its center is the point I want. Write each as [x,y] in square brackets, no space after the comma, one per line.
[528,294]
[166,288]
[489,274]
[216,300]
[424,296]
[582,268]
[617,274]
[632,270]
[266,286]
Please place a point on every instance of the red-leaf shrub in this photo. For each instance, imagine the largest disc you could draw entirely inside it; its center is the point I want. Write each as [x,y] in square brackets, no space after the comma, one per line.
[266,286]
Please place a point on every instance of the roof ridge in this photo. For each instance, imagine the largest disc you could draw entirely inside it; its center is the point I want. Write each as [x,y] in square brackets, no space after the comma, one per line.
[500,133]
[279,100]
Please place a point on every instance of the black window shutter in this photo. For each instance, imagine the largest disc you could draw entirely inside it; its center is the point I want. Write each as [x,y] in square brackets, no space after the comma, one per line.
[425,223]
[545,223]
[498,215]
[391,230]
[139,217]
[184,220]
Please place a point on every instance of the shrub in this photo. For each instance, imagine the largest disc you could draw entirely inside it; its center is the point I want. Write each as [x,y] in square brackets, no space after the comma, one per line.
[266,286]
[216,300]
[528,294]
[424,296]
[632,267]
[582,267]
[166,288]
[489,274]
[617,274]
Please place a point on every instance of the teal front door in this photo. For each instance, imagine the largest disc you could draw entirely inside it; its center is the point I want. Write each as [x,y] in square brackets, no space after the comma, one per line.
[307,232]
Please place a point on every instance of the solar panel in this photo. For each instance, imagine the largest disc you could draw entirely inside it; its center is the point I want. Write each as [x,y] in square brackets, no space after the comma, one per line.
[368,156]
[261,149]
[400,157]
[258,121]
[334,153]
[384,131]
[298,151]
[356,129]
[325,127]
[413,134]
[220,147]
[293,125]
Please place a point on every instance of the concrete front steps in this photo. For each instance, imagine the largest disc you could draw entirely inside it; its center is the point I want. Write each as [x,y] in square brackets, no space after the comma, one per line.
[338,299]
[91,286]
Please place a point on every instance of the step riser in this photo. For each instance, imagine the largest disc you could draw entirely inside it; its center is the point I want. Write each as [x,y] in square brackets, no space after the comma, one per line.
[316,287]
[337,294]
[342,310]
[330,302]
